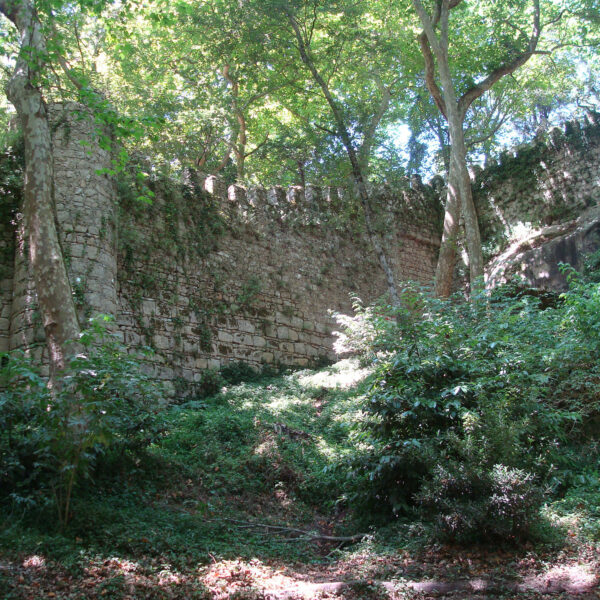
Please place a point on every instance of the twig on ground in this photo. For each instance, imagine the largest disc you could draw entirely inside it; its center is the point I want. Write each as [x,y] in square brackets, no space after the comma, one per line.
[305,536]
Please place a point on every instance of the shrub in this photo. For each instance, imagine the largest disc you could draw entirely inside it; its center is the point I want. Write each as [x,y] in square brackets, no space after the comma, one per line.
[237,372]
[50,439]
[467,503]
[465,418]
[210,383]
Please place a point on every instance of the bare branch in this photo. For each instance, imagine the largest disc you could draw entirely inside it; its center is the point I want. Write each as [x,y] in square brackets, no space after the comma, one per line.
[471,142]
[226,157]
[304,536]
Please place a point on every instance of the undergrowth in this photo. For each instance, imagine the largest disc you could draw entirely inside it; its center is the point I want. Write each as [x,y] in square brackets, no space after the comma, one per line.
[257,451]
[479,412]
[469,422]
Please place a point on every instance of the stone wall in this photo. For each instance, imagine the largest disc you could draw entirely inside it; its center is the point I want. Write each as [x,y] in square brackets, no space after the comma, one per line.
[206,274]
[258,284]
[85,211]
[549,181]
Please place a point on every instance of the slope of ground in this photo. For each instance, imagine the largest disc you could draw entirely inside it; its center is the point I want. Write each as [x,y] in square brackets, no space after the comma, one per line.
[242,499]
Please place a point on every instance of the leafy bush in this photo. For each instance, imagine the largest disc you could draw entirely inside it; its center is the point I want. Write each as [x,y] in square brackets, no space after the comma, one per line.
[50,439]
[467,503]
[472,404]
[238,371]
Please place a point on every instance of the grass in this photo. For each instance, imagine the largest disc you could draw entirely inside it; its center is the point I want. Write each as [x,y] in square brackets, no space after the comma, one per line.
[173,522]
[263,451]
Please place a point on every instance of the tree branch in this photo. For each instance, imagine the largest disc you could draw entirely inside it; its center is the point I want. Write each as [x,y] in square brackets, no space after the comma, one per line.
[506,69]
[257,147]
[430,81]
[304,536]
[428,26]
[369,135]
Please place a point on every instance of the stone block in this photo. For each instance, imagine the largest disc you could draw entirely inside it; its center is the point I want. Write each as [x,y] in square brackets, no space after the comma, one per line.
[286,347]
[267,357]
[259,342]
[247,326]
[236,194]
[216,187]
[224,336]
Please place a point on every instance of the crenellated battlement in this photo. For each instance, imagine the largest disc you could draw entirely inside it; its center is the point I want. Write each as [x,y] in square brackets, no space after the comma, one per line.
[208,273]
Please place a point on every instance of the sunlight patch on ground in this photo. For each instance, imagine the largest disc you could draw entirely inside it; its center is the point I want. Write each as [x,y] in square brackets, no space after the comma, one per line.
[284,402]
[344,374]
[575,578]
[225,578]
[34,562]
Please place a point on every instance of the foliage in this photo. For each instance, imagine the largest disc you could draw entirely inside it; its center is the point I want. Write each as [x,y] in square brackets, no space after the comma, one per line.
[472,402]
[254,451]
[238,371]
[210,382]
[51,438]
[468,503]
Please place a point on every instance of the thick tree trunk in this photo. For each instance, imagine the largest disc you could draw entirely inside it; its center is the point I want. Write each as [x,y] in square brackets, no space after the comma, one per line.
[444,273]
[52,285]
[448,105]
[458,159]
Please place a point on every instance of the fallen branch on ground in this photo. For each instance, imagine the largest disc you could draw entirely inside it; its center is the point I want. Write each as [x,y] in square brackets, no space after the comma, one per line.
[304,536]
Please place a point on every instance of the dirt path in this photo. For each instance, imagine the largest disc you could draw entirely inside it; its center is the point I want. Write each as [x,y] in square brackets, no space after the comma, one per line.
[446,573]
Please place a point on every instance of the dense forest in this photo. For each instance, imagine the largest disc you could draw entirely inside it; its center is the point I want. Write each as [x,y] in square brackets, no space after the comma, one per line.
[452,447]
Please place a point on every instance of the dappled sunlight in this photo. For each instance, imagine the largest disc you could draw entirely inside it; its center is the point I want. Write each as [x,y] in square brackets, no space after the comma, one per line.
[226,578]
[34,562]
[344,374]
[575,578]
[370,571]
[101,577]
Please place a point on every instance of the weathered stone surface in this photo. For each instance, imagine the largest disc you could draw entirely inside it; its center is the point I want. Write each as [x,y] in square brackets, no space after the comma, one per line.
[539,184]
[261,294]
[536,260]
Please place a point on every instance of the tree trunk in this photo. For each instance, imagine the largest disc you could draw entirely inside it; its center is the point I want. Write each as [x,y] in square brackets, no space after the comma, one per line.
[449,106]
[240,153]
[52,285]
[458,165]
[444,272]
[458,159]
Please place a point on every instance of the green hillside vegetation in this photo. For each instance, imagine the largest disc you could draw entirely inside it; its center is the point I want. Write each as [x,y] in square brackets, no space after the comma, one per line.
[477,423]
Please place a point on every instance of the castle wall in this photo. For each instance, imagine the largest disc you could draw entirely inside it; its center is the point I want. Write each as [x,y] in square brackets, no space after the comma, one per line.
[205,274]
[261,290]
[549,181]
[85,204]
